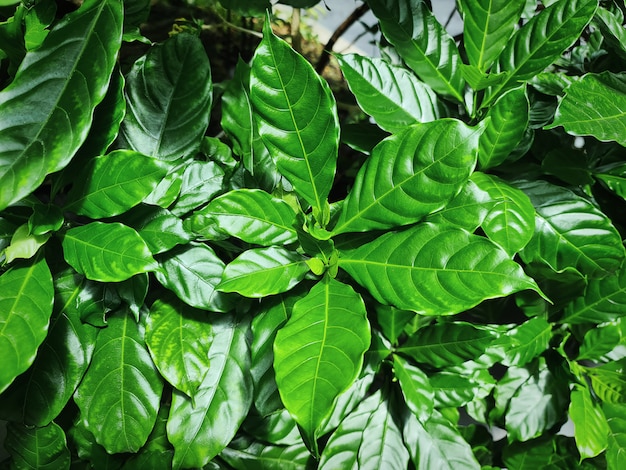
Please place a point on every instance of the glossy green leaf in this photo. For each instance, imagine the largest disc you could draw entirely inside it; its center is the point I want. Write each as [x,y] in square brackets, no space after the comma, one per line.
[24,245]
[423,43]
[263,271]
[45,113]
[278,428]
[452,390]
[460,269]
[107,252]
[159,228]
[319,352]
[26,296]
[169,95]
[541,41]
[609,381]
[367,438]
[615,455]
[112,184]
[570,232]
[446,344]
[392,321]
[253,216]
[487,27]
[42,448]
[297,118]
[558,452]
[199,429]
[89,450]
[392,95]
[201,181]
[610,24]
[192,272]
[410,175]
[121,371]
[594,105]
[600,341]
[45,218]
[177,338]
[508,120]
[260,456]
[614,178]
[415,387]
[524,342]
[591,429]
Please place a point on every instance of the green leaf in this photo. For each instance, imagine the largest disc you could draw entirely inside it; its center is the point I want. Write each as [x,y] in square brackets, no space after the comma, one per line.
[511,219]
[594,105]
[297,118]
[614,178]
[610,24]
[541,41]
[508,120]
[452,390]
[570,232]
[26,296]
[260,456]
[609,381]
[591,429]
[168,95]
[112,184]
[554,452]
[46,218]
[615,454]
[524,342]
[261,272]
[192,272]
[392,95]
[253,216]
[24,245]
[199,429]
[603,300]
[410,175]
[37,448]
[319,352]
[367,438]
[201,181]
[598,342]
[159,228]
[121,371]
[415,387]
[176,336]
[446,344]
[392,321]
[89,450]
[107,252]
[423,43]
[487,27]
[460,269]
[45,113]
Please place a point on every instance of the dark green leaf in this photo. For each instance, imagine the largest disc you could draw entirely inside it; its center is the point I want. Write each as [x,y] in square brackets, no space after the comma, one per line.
[38,448]
[90,451]
[553,452]
[591,429]
[201,181]
[415,387]
[614,178]
[603,300]
[260,456]
[46,218]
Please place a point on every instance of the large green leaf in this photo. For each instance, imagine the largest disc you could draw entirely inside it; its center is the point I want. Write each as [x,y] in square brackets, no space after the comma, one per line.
[199,429]
[524,342]
[367,438]
[487,27]
[570,232]
[252,215]
[599,342]
[297,118]
[460,269]
[319,352]
[609,381]
[192,272]
[595,105]
[111,184]
[615,454]
[541,41]
[177,338]
[37,448]
[392,95]
[410,175]
[415,387]
[121,371]
[423,43]
[107,252]
[591,429]
[26,297]
[258,455]
[168,95]
[46,112]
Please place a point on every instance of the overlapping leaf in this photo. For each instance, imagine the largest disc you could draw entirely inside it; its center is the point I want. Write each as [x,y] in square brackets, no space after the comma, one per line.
[410,175]
[615,455]
[159,228]
[609,381]
[523,343]
[614,178]
[393,96]
[591,429]
[45,113]
[415,387]
[201,181]
[44,447]
[434,270]
[260,455]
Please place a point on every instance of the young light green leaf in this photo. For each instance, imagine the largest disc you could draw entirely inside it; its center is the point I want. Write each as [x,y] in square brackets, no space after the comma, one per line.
[603,300]
[107,252]
[121,370]
[594,105]
[26,297]
[319,352]
[260,272]
[45,113]
[24,245]
[610,24]
[392,95]
[460,269]
[88,449]
[615,455]
[367,438]
[487,28]
[591,429]
[176,336]
[423,43]
[297,118]
[201,428]
[169,95]
[44,447]
[410,175]
[415,387]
